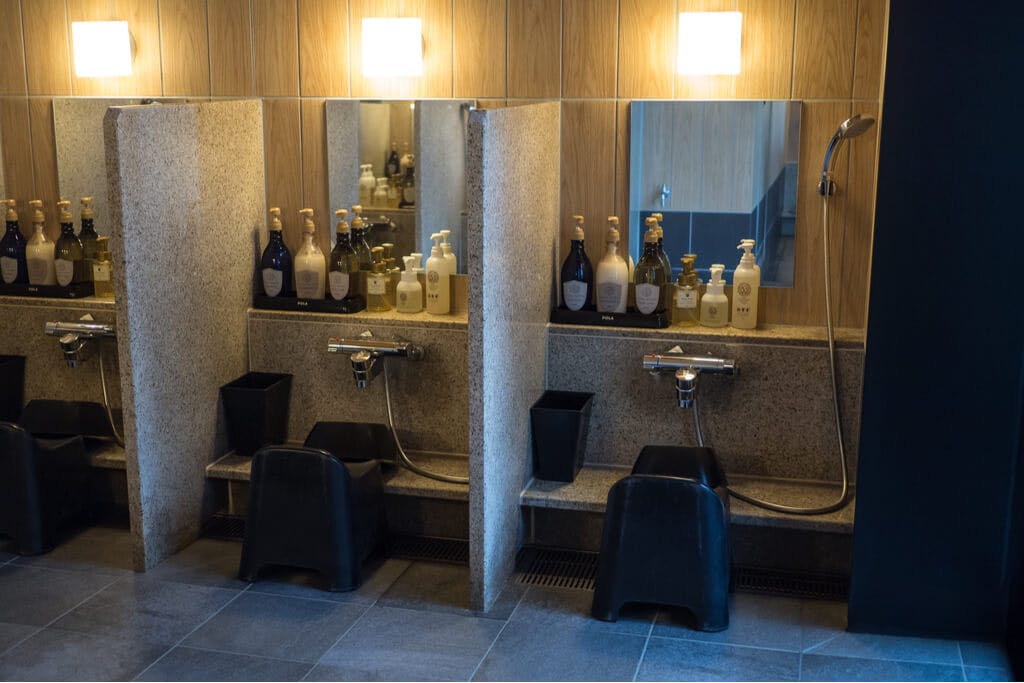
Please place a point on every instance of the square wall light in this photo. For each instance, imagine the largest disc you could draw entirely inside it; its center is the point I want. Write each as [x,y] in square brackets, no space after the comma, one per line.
[709,43]
[392,47]
[101,48]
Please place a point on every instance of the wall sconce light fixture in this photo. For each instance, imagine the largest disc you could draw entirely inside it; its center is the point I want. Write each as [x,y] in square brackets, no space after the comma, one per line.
[709,43]
[102,48]
[392,47]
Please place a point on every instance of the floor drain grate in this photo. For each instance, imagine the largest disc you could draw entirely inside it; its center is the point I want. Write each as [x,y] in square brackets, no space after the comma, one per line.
[428,548]
[796,584]
[559,568]
[225,528]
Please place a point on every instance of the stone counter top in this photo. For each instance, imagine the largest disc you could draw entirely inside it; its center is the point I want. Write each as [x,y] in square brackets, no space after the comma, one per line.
[92,303]
[777,335]
[392,318]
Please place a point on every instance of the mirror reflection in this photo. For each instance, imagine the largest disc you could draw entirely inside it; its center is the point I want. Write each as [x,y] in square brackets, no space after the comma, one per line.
[719,172]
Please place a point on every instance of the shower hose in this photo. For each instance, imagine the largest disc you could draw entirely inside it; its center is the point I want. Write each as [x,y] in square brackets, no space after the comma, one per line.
[106,400]
[406,462]
[844,493]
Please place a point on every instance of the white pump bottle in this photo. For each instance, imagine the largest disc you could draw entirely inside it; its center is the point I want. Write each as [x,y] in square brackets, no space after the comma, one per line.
[409,293]
[446,251]
[611,282]
[438,280]
[714,305]
[310,264]
[745,286]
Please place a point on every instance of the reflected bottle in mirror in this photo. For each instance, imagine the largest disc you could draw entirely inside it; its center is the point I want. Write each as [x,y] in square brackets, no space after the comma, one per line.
[408,188]
[359,243]
[393,165]
[90,245]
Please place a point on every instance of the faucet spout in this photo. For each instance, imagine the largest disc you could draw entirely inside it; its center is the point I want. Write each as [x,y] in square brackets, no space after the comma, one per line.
[364,368]
[687,369]
[365,351]
[686,386]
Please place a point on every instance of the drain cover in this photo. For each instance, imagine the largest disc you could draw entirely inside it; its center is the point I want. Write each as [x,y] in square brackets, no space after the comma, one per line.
[428,548]
[796,584]
[225,528]
[560,568]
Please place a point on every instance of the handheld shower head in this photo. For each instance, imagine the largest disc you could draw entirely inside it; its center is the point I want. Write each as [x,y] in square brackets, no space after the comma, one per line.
[856,125]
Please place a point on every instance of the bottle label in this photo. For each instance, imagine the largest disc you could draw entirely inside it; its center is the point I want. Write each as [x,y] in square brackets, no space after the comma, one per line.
[272,281]
[339,285]
[307,282]
[8,269]
[647,297]
[575,294]
[100,271]
[609,297]
[39,270]
[686,298]
[409,194]
[65,271]
[376,285]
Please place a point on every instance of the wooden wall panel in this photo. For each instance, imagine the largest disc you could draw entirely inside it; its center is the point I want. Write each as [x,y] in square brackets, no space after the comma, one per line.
[276,47]
[823,50]
[143,23]
[16,133]
[323,48]
[282,137]
[12,50]
[620,207]
[589,47]
[230,41]
[647,48]
[47,63]
[534,48]
[315,191]
[588,168]
[44,160]
[478,56]
[184,47]
[867,68]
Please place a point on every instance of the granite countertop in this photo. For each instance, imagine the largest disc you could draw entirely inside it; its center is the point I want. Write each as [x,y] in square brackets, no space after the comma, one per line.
[390,318]
[803,335]
[589,492]
[95,303]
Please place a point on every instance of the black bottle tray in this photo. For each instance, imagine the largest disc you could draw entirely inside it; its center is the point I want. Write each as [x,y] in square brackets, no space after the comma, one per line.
[352,304]
[590,316]
[78,290]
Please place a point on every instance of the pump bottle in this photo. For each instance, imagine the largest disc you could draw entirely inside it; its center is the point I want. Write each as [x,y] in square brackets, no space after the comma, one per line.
[276,264]
[438,280]
[612,278]
[344,262]
[650,274]
[745,286]
[69,256]
[714,305]
[87,234]
[446,251]
[686,302]
[376,284]
[13,265]
[359,239]
[409,293]
[40,251]
[577,273]
[310,264]
[666,262]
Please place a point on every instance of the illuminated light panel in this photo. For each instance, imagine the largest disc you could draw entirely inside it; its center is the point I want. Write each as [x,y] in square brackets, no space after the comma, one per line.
[102,48]
[392,48]
[709,43]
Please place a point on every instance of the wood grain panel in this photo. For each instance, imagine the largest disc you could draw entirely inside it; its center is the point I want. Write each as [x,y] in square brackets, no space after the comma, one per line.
[823,52]
[315,191]
[620,207]
[230,48]
[478,55]
[144,24]
[867,68]
[44,160]
[588,169]
[184,48]
[436,16]
[857,211]
[323,48]
[47,64]
[534,48]
[12,51]
[17,158]
[589,48]
[282,139]
[647,47]
[766,59]
[276,45]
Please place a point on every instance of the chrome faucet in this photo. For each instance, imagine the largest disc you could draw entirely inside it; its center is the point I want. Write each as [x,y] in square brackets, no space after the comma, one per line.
[687,368]
[364,352]
[73,336]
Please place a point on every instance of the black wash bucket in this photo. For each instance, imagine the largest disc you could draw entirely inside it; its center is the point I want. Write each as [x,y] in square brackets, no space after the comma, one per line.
[559,421]
[256,410]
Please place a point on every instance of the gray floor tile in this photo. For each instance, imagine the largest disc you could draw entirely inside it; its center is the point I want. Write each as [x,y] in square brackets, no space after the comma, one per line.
[306,584]
[551,608]
[445,588]
[398,644]
[141,608]
[571,653]
[822,620]
[206,562]
[668,659]
[984,673]
[101,549]
[189,664]
[899,648]
[276,626]
[57,655]
[11,634]
[754,620]
[990,655]
[35,597]
[817,667]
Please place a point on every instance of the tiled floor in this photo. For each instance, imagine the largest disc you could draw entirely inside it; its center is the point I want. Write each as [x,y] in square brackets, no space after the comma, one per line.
[79,613]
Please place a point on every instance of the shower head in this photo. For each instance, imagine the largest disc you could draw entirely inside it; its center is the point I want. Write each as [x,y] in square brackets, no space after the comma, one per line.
[856,125]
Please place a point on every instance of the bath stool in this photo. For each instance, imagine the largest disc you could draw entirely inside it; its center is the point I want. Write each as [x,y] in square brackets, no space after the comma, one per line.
[353,441]
[309,509]
[666,537]
[44,484]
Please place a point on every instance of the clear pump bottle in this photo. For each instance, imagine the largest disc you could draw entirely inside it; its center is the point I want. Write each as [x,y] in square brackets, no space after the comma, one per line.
[69,256]
[87,234]
[376,284]
[344,270]
[686,298]
[650,274]
[359,242]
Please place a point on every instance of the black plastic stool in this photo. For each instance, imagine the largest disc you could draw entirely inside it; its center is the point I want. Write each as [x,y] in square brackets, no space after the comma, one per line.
[44,483]
[666,537]
[309,509]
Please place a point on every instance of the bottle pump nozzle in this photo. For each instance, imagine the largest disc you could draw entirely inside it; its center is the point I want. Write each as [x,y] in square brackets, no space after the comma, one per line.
[275,219]
[577,233]
[65,210]
[12,211]
[307,224]
[86,207]
[436,249]
[444,236]
[37,206]
[613,229]
[342,225]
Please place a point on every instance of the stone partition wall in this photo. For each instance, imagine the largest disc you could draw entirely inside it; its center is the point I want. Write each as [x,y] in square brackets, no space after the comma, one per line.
[186,190]
[512,202]
[773,418]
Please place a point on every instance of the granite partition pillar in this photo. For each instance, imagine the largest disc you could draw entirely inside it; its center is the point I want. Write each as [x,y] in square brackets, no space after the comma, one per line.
[186,192]
[513,209]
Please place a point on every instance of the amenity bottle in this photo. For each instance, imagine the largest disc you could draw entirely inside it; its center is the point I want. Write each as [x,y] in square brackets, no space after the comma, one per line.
[714,305]
[344,271]
[577,273]
[409,293]
[438,280]
[376,284]
[276,264]
[40,251]
[310,264]
[666,262]
[746,283]
[103,270]
[611,282]
[446,251]
[650,275]
[359,242]
[13,264]
[69,256]
[686,298]
[88,235]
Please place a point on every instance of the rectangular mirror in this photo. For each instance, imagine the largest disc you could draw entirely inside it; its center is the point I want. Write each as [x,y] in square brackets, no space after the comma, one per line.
[405,162]
[719,172]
